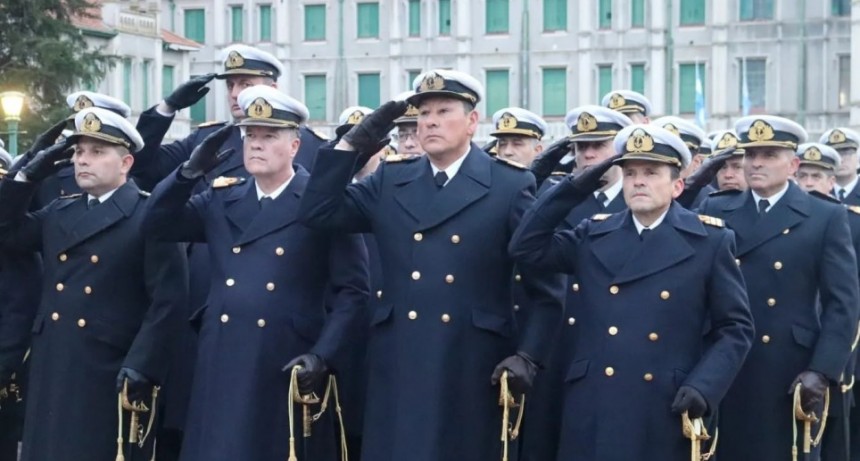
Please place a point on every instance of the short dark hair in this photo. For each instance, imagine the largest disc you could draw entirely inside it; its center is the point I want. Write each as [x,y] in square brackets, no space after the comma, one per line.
[674,172]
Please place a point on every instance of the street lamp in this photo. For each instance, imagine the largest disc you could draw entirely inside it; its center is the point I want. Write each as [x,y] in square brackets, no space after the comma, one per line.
[12,103]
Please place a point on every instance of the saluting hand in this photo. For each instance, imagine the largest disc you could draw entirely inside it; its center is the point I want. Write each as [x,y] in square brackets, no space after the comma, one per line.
[690,400]
[48,161]
[591,179]
[708,171]
[205,157]
[313,370]
[374,128]
[544,164]
[521,372]
[42,142]
[187,94]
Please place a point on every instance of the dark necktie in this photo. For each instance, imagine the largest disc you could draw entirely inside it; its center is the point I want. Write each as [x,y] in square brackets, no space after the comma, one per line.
[644,234]
[440,178]
[92,203]
[762,207]
[601,200]
[265,201]
[841,195]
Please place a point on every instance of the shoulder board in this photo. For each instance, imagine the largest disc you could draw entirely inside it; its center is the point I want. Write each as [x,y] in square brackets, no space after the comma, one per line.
[711,221]
[395,158]
[854,208]
[559,173]
[600,217]
[318,134]
[825,197]
[718,193]
[143,193]
[70,196]
[208,124]
[512,163]
[3,172]
[224,181]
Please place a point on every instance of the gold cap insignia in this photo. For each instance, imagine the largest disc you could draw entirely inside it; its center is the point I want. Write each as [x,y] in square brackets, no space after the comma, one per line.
[812,154]
[672,129]
[640,141]
[431,82]
[836,137]
[761,131]
[507,122]
[411,111]
[586,122]
[234,60]
[728,140]
[92,124]
[82,103]
[616,101]
[260,108]
[355,118]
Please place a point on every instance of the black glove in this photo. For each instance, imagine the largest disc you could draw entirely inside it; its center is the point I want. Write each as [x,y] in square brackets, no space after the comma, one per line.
[187,94]
[139,386]
[314,369]
[205,157]
[813,386]
[708,171]
[591,178]
[544,164]
[42,142]
[49,161]
[367,135]
[690,400]
[521,372]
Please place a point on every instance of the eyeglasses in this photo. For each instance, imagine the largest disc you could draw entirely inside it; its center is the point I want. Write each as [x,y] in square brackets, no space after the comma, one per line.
[405,135]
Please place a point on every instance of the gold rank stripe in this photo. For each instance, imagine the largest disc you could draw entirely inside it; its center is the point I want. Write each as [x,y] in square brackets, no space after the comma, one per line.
[600,217]
[711,221]
[224,181]
[854,208]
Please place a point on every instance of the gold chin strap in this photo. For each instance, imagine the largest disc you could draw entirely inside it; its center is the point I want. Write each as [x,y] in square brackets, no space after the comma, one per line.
[808,419]
[697,432]
[308,419]
[136,435]
[506,401]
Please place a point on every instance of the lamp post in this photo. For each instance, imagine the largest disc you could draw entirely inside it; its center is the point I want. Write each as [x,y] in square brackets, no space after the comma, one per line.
[12,103]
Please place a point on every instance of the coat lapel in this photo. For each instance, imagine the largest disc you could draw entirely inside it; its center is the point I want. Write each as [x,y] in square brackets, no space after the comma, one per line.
[471,183]
[241,206]
[788,212]
[91,222]
[281,213]
[413,187]
[613,239]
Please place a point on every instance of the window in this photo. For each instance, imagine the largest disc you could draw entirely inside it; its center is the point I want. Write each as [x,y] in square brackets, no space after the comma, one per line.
[368,20]
[497,16]
[145,80]
[605,14]
[444,17]
[315,96]
[314,23]
[840,7]
[554,92]
[167,80]
[604,80]
[754,71]
[554,15]
[498,90]
[637,13]
[265,23]
[844,81]
[198,112]
[752,10]
[195,25]
[687,87]
[692,12]
[414,18]
[637,78]
[126,80]
[237,24]
[411,76]
[368,90]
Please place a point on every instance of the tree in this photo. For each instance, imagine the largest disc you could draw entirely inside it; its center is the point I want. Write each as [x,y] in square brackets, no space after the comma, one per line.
[43,54]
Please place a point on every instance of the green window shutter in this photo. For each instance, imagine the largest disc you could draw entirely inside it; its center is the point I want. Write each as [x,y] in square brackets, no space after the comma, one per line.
[687,87]
[195,25]
[756,9]
[368,20]
[605,14]
[414,18]
[554,15]
[237,21]
[413,74]
[637,78]
[265,23]
[145,79]
[554,92]
[314,22]
[497,16]
[840,7]
[126,80]
[498,90]
[637,13]
[444,17]
[756,73]
[692,12]
[198,112]
[167,81]
[604,80]
[368,90]
[315,96]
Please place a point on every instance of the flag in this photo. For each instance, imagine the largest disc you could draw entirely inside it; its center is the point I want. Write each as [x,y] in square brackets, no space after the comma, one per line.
[745,90]
[700,99]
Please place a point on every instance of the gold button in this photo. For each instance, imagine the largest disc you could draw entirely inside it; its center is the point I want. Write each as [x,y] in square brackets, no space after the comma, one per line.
[777,265]
[609,371]
[82,323]
[516,307]
[648,377]
[518,278]
[449,278]
[261,323]
[765,339]
[279,251]
[237,250]
[225,318]
[738,262]
[653,336]
[55,316]
[418,236]
[446,318]
[60,287]
[575,287]
[379,294]
[613,331]
[664,295]
[230,282]
[270,286]
[613,289]
[88,290]
[64,257]
[786,231]
[455,239]
[416,275]
[94,259]
[771,302]
[571,321]
[413,315]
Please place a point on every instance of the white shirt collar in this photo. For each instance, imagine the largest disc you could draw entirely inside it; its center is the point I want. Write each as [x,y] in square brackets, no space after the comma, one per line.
[848,187]
[276,192]
[611,192]
[657,222]
[453,168]
[772,200]
[102,198]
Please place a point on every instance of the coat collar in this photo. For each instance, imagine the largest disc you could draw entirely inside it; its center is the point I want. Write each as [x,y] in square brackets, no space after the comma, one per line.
[752,231]
[242,208]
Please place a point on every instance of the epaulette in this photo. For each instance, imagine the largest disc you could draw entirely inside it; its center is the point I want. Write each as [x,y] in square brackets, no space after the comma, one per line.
[600,217]
[388,151]
[70,196]
[718,193]
[225,181]
[559,173]
[395,158]
[825,197]
[143,193]
[711,221]
[211,123]
[854,208]
[3,173]
[512,163]
[318,134]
